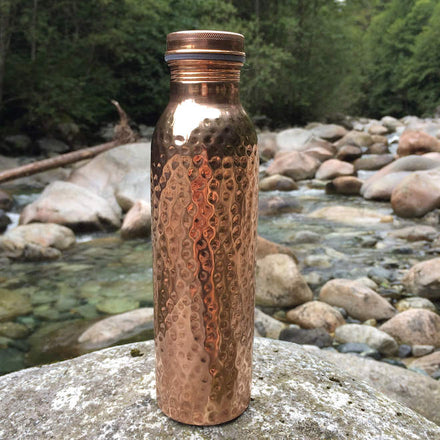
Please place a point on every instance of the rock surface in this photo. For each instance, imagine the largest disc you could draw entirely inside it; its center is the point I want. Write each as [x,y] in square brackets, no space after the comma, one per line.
[423,279]
[413,390]
[73,206]
[415,302]
[111,394]
[417,142]
[279,282]
[294,164]
[267,326]
[346,185]
[430,363]
[267,247]
[414,327]
[366,334]
[334,168]
[277,182]
[350,215]
[13,304]
[359,301]
[137,222]
[316,314]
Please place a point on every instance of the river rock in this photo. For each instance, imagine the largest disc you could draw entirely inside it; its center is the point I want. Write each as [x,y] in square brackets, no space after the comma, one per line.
[5,200]
[391,123]
[52,146]
[415,233]
[319,153]
[417,142]
[316,314]
[381,184]
[266,247]
[137,222]
[14,330]
[267,326]
[356,138]
[414,327]
[334,168]
[373,162]
[349,153]
[366,334]
[120,175]
[417,194]
[294,164]
[114,306]
[346,185]
[350,215]
[112,394]
[13,304]
[4,221]
[316,336]
[422,350]
[378,129]
[71,205]
[415,302]
[329,132]
[429,363]
[293,139]
[359,301]
[267,145]
[117,328]
[423,279]
[36,241]
[279,282]
[278,205]
[378,148]
[418,392]
[16,145]
[277,182]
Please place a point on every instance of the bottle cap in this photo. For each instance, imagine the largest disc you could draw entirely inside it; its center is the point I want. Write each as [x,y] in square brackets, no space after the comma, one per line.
[205,45]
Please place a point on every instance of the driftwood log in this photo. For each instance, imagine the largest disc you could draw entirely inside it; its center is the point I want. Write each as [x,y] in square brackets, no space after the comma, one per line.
[123,135]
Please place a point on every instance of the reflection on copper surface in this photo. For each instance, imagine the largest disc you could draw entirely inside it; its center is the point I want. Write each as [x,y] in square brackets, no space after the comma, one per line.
[204,214]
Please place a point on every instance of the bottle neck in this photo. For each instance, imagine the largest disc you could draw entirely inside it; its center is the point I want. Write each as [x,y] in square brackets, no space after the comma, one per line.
[205,81]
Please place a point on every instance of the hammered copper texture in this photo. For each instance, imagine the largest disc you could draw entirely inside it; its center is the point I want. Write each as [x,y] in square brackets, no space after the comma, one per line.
[204,217]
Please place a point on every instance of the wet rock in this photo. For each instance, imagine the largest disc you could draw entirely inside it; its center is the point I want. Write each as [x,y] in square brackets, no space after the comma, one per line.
[377,129]
[391,123]
[414,327]
[334,168]
[417,142]
[322,261]
[359,301]
[422,350]
[5,200]
[353,347]
[117,328]
[316,314]
[52,146]
[415,233]
[119,175]
[84,403]
[319,153]
[420,393]
[11,360]
[329,132]
[366,334]
[404,350]
[266,247]
[267,326]
[349,153]
[350,215]
[423,279]
[45,312]
[4,221]
[429,363]
[356,138]
[113,306]
[277,182]
[346,185]
[380,275]
[13,330]
[417,194]
[279,282]
[367,282]
[278,205]
[303,237]
[293,139]
[294,164]
[415,302]
[373,161]
[381,184]
[137,222]
[73,206]
[13,304]
[267,145]
[316,336]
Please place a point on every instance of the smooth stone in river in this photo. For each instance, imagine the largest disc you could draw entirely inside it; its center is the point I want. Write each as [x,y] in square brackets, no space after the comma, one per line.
[137,221]
[423,279]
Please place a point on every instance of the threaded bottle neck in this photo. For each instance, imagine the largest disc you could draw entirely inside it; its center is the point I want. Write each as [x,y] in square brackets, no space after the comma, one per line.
[198,71]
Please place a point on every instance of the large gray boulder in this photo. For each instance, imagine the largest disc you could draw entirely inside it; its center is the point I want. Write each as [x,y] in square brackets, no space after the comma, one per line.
[111,394]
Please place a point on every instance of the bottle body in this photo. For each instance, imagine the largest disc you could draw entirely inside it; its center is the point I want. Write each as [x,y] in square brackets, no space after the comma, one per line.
[204,195]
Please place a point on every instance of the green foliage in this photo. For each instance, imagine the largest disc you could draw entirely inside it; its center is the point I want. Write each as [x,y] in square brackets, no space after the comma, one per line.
[65,60]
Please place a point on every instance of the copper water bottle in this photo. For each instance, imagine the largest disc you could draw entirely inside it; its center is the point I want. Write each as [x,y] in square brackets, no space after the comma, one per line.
[204,172]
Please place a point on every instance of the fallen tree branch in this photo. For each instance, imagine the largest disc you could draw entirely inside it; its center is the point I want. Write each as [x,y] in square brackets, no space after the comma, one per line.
[123,135]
